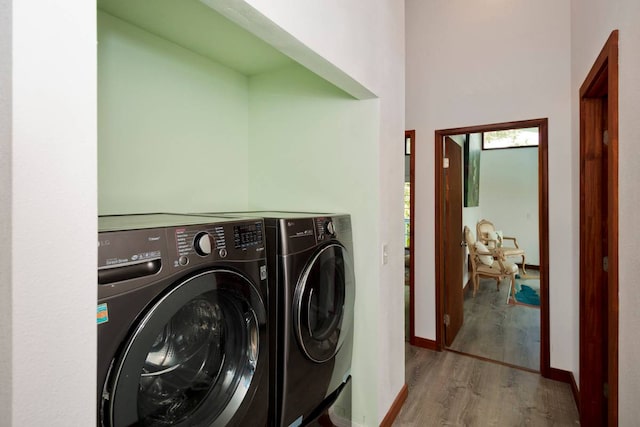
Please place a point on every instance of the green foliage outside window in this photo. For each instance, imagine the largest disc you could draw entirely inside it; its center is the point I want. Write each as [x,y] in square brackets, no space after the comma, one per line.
[407,212]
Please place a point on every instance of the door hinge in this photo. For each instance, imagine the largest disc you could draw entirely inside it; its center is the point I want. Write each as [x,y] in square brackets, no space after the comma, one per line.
[605,137]
[605,390]
[445,163]
[447,320]
[605,263]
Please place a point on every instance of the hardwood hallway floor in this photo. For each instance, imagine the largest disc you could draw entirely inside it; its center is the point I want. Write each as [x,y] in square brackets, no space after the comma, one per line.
[497,330]
[449,389]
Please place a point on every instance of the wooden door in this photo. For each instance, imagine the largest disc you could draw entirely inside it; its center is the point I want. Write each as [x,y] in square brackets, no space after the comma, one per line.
[453,250]
[593,251]
[599,241]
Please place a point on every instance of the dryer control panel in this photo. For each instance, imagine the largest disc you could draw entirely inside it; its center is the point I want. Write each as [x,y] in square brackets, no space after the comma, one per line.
[301,233]
[325,228]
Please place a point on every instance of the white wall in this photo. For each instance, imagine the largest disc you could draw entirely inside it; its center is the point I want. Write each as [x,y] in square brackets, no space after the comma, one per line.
[486,62]
[5,209]
[50,341]
[348,44]
[592,22]
[509,196]
[173,126]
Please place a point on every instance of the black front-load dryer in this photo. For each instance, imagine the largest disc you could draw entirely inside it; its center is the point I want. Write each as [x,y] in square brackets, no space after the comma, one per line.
[182,321]
[310,257]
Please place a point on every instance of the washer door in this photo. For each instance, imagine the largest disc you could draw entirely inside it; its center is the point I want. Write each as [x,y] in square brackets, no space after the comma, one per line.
[323,303]
[192,358]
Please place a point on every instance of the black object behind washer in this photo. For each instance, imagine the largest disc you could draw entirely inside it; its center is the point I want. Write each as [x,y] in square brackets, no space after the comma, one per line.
[182,321]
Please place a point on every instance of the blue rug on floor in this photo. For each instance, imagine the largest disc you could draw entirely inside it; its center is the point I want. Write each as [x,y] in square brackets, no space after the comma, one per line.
[527,295]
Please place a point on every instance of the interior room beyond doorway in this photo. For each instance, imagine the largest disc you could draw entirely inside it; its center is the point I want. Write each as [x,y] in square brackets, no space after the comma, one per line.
[502,182]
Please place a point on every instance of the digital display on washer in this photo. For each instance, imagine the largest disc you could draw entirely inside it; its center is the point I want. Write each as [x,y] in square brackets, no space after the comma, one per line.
[247,235]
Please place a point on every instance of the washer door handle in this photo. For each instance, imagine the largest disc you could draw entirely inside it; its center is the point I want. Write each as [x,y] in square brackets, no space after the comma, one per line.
[309,313]
[136,270]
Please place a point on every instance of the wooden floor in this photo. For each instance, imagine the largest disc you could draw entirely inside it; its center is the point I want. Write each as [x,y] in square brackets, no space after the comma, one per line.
[449,389]
[497,330]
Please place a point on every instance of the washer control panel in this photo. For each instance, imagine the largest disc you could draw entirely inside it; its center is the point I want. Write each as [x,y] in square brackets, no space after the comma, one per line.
[238,240]
[201,240]
[247,235]
[129,259]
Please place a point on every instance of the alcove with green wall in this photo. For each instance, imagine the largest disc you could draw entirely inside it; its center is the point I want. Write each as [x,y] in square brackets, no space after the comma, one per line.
[197,115]
[172,126]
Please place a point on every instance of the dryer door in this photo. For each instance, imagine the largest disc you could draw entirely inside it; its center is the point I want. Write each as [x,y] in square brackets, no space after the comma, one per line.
[193,357]
[323,303]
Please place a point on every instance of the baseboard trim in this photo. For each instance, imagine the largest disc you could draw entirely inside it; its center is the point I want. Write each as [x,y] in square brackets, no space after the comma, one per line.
[566,377]
[395,408]
[529,266]
[424,343]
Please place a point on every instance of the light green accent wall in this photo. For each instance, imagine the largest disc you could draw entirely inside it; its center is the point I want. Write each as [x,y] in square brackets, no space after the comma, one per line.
[172,126]
[312,147]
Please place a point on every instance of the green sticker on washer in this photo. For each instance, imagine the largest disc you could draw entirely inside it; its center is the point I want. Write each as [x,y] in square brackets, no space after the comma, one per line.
[103,313]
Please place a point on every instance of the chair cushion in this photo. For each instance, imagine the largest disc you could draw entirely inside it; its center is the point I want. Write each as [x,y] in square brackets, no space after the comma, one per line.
[512,251]
[491,270]
[511,268]
[485,259]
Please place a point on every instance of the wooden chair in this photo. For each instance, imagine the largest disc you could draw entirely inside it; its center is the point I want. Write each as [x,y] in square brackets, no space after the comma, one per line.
[487,262]
[488,235]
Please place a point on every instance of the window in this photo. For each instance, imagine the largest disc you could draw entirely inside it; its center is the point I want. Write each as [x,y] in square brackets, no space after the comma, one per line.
[407,212]
[511,138]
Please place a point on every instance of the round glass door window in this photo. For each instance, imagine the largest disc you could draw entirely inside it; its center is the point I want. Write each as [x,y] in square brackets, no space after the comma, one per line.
[193,356]
[323,303]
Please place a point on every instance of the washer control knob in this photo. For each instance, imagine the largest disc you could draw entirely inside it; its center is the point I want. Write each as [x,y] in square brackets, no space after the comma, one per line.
[329,228]
[222,253]
[183,260]
[202,244]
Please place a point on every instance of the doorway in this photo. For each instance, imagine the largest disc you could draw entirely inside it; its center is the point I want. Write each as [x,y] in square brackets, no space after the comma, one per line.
[599,240]
[446,300]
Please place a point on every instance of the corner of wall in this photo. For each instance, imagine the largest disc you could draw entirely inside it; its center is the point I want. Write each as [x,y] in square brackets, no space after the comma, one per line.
[5,210]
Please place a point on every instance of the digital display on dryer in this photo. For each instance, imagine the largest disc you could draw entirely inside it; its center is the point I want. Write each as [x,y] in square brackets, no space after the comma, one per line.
[247,235]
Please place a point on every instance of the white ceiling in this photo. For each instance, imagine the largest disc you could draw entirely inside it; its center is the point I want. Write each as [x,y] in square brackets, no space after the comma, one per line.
[195,26]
